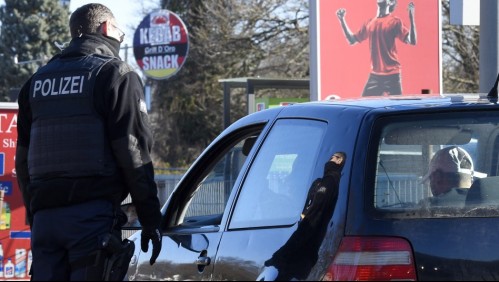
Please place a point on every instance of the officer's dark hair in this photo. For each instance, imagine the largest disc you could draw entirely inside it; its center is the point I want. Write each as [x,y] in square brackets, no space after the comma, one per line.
[88,18]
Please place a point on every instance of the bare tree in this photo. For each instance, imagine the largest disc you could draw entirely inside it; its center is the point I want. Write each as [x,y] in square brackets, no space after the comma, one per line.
[29,30]
[228,38]
[258,38]
[460,50]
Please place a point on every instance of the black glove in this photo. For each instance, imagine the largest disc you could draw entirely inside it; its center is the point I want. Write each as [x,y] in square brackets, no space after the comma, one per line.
[155,237]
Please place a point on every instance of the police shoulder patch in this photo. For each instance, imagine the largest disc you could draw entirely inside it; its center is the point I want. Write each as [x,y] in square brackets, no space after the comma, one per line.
[143,106]
[124,68]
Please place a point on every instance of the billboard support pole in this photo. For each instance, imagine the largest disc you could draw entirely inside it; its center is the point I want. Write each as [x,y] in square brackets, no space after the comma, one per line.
[314,50]
[489,48]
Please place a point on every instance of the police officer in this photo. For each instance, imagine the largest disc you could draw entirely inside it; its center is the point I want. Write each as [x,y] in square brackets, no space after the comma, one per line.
[83,145]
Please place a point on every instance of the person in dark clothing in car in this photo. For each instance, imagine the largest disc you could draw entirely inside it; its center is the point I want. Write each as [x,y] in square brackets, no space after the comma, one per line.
[450,175]
[295,259]
[84,144]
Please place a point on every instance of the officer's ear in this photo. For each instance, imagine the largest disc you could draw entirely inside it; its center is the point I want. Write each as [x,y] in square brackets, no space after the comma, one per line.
[104,28]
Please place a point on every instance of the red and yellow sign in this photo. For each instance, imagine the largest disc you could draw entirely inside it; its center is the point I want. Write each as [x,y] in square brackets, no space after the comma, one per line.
[161,44]
[15,233]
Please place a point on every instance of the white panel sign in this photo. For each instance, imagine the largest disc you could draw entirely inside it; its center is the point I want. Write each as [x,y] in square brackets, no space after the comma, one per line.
[465,12]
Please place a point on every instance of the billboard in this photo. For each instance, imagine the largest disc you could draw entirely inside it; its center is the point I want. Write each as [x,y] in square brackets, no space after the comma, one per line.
[374,48]
[15,250]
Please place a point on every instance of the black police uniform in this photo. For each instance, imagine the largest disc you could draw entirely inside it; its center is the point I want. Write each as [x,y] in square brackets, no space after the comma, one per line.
[84,143]
[297,257]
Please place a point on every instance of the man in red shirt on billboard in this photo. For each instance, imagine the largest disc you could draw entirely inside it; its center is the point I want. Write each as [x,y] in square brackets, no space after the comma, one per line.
[385,76]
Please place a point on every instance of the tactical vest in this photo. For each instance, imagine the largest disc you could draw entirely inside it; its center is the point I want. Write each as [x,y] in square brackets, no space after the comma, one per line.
[68,137]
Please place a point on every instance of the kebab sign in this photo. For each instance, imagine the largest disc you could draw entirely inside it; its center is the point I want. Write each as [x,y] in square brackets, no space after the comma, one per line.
[161,44]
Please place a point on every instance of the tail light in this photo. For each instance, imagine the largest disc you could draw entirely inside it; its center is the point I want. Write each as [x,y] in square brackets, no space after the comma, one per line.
[372,258]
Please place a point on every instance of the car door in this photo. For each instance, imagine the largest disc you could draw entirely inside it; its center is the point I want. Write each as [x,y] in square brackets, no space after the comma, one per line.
[270,203]
[192,224]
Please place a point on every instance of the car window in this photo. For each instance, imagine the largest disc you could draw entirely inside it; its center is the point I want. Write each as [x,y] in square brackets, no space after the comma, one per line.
[207,202]
[438,167]
[277,183]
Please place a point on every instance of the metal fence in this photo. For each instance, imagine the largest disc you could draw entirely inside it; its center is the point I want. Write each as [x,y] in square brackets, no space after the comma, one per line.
[165,183]
[399,189]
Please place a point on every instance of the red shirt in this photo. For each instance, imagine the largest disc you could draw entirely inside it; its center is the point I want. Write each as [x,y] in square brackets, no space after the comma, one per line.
[382,33]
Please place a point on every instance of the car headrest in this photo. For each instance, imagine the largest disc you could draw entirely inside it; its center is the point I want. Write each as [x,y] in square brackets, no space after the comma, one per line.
[484,191]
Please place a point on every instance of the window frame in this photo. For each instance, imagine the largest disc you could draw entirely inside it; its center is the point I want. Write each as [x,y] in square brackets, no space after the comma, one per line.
[271,223]
[410,212]
[197,173]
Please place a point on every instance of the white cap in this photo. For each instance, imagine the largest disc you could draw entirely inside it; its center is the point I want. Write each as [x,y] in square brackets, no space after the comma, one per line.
[451,159]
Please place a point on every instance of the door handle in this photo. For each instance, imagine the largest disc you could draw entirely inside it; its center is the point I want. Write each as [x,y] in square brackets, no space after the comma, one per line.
[203,261]
[133,260]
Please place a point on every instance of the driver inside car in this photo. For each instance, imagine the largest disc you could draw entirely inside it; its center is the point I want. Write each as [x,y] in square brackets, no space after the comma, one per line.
[450,175]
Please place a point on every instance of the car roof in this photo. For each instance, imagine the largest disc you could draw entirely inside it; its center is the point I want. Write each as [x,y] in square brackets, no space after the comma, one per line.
[416,101]
[405,103]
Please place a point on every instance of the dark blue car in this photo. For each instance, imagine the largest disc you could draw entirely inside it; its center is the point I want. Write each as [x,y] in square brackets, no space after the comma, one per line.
[242,210]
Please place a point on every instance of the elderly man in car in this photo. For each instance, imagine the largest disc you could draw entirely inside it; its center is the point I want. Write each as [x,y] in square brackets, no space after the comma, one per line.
[450,175]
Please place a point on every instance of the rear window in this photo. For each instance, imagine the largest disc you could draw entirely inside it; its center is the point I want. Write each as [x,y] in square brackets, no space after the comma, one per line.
[445,166]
